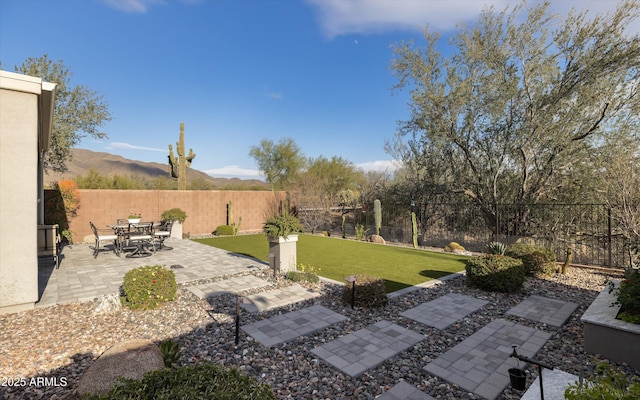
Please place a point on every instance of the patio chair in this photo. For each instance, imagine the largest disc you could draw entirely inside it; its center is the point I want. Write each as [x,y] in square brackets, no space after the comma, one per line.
[142,237]
[104,237]
[163,232]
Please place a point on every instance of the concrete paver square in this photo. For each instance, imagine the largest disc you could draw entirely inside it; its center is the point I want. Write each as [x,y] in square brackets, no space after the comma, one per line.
[353,357]
[445,310]
[285,327]
[268,300]
[542,309]
[404,391]
[231,285]
[483,367]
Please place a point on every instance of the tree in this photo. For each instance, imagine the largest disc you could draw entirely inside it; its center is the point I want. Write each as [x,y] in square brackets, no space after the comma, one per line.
[280,163]
[522,108]
[78,112]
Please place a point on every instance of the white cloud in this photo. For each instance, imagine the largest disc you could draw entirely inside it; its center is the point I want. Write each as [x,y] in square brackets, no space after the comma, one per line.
[234,171]
[342,17]
[120,145]
[380,165]
[272,94]
[133,6]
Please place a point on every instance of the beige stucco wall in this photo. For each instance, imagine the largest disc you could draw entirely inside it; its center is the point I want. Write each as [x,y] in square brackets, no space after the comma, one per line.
[20,108]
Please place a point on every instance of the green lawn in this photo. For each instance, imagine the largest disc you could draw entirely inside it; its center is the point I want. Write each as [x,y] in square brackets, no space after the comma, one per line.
[400,267]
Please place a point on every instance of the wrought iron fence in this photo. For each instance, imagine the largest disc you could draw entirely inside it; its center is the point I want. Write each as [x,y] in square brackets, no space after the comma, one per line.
[588,229]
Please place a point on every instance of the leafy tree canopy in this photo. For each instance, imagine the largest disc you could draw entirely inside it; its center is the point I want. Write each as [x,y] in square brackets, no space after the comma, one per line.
[279,162]
[78,112]
[526,108]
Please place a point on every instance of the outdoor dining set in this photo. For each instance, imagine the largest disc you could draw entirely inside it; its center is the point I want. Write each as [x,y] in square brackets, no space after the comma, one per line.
[138,239]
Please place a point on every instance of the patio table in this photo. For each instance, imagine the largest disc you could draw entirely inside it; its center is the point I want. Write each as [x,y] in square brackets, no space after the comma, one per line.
[139,236]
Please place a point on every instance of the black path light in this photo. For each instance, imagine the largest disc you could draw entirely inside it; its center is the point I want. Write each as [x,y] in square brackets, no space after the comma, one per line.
[352,279]
[519,384]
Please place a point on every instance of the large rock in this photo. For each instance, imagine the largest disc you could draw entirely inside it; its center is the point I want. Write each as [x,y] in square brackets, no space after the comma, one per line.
[129,359]
[377,239]
[107,304]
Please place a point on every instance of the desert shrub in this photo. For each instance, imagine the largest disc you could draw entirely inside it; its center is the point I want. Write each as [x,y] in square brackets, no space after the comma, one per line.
[302,276]
[369,292]
[225,230]
[361,232]
[607,384]
[194,382]
[495,273]
[496,248]
[148,286]
[536,260]
[453,246]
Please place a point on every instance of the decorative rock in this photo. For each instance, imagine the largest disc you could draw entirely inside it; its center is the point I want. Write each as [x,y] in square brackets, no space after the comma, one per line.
[130,359]
[107,304]
[377,239]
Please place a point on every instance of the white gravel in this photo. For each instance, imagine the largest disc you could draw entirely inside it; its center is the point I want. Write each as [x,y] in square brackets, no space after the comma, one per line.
[60,342]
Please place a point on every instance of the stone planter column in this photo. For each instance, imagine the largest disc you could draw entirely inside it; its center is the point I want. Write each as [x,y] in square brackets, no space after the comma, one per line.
[284,251]
[176,230]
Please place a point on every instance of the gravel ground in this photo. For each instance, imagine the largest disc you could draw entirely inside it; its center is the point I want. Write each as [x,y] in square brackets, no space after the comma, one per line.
[60,342]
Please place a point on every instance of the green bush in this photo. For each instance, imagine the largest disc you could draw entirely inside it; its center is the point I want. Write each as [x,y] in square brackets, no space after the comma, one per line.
[197,382]
[283,225]
[628,296]
[607,384]
[369,292]
[148,286]
[175,214]
[225,230]
[537,261]
[495,273]
[301,276]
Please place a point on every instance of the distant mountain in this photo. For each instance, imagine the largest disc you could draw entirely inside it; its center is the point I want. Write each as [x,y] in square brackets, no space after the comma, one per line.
[111,164]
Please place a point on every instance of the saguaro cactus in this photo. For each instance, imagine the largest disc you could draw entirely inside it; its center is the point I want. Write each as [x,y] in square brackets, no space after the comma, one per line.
[178,166]
[377,215]
[414,229]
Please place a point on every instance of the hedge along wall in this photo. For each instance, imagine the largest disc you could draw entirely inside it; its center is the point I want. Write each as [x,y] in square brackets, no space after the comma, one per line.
[206,209]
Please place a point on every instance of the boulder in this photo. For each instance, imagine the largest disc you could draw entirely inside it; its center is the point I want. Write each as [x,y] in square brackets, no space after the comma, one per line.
[377,239]
[107,304]
[130,359]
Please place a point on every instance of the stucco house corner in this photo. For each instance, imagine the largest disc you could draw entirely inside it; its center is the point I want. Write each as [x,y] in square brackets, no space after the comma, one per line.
[26,119]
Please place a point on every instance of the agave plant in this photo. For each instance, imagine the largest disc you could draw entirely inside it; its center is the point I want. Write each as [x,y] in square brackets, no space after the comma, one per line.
[496,248]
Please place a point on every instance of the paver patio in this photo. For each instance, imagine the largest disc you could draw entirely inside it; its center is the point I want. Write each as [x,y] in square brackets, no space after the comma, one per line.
[445,310]
[234,284]
[285,327]
[367,348]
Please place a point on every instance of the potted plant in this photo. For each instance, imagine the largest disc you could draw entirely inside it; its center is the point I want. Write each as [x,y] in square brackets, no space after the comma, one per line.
[134,218]
[178,216]
[282,233]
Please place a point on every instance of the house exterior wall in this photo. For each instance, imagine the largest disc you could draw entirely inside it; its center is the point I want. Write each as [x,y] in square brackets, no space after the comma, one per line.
[206,209]
[19,105]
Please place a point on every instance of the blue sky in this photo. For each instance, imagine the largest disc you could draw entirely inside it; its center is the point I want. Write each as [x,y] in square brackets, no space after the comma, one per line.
[238,71]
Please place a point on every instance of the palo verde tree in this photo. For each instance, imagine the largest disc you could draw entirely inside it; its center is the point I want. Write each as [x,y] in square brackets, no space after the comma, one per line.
[280,163]
[523,106]
[78,112]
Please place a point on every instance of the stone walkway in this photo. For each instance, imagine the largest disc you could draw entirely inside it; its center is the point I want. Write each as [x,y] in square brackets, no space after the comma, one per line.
[444,310]
[285,327]
[367,348]
[480,363]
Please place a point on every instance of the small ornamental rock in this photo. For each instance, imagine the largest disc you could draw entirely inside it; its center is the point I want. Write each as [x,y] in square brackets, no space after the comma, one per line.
[130,359]
[107,304]
[377,239]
